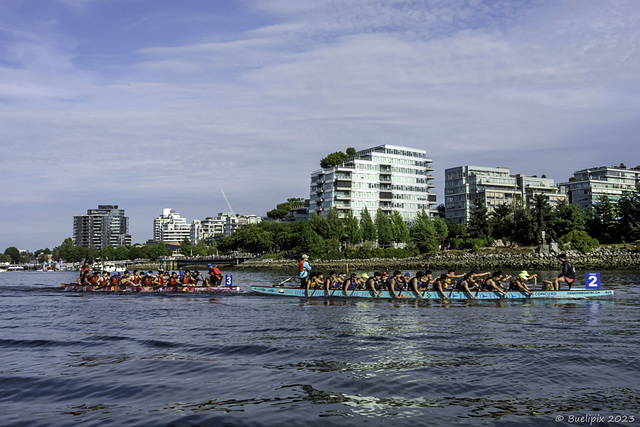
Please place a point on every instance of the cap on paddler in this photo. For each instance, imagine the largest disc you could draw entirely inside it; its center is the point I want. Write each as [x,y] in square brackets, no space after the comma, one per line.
[365,276]
[523,274]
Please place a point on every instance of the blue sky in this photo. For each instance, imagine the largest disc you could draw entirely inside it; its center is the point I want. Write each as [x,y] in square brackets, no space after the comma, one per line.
[150,104]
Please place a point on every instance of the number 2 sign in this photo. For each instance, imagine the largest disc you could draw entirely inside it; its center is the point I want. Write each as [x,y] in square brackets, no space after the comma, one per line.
[592,280]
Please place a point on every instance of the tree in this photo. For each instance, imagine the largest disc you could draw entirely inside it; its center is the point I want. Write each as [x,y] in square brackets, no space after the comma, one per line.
[542,216]
[282,209]
[601,220]
[333,159]
[423,233]
[351,152]
[629,215]
[501,222]
[254,238]
[400,231]
[186,247]
[334,226]
[479,220]
[383,226]
[352,230]
[369,233]
[442,231]
[568,217]
[13,253]
[523,232]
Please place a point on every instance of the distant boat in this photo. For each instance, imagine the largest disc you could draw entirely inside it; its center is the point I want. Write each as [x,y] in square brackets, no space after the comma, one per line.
[109,267]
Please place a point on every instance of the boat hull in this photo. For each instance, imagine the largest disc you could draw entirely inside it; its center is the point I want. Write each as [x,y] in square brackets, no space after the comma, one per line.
[177,289]
[433,295]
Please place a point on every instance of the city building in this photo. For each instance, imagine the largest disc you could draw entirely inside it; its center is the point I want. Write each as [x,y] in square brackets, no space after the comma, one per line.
[101,227]
[588,185]
[493,186]
[170,227]
[389,177]
[225,224]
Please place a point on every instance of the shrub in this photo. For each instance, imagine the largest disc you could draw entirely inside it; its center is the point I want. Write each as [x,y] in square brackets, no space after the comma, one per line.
[580,241]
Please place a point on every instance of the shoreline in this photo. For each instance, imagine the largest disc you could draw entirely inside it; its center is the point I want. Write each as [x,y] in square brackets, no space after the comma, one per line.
[599,259]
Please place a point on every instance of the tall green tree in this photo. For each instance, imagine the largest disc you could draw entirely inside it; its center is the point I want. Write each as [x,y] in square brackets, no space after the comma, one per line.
[601,221]
[568,217]
[369,233]
[501,222]
[423,233]
[629,215]
[400,231]
[479,220]
[523,232]
[384,228]
[542,216]
[334,225]
[352,228]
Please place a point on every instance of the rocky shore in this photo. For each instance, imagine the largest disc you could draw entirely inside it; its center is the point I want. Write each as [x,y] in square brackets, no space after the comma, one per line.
[598,260]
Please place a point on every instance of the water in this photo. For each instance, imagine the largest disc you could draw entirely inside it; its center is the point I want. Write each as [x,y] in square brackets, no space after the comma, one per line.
[241,359]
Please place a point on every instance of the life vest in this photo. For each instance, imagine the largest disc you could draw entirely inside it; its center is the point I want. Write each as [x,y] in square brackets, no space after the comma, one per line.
[147,281]
[301,266]
[214,271]
[173,281]
[186,280]
[136,280]
[159,280]
[194,280]
[104,281]
[115,280]
[93,280]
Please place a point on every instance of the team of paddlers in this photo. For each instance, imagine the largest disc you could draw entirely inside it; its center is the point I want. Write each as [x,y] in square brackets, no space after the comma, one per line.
[136,279]
[423,281]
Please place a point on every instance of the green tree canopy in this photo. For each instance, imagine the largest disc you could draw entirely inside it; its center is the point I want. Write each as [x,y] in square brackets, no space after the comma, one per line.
[384,228]
[369,233]
[423,233]
[400,231]
[479,220]
[352,230]
[333,159]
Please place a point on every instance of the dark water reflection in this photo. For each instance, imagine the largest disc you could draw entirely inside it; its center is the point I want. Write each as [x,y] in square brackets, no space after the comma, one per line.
[242,359]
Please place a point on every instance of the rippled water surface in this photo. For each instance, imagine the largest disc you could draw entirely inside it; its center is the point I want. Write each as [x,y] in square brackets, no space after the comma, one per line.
[103,359]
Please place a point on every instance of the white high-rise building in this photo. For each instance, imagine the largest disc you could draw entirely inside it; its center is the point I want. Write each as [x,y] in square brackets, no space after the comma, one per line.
[170,227]
[389,177]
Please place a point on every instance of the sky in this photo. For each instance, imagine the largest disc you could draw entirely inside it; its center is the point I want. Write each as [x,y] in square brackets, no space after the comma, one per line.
[152,104]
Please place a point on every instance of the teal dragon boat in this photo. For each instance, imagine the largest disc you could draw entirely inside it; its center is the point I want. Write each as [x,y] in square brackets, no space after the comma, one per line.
[432,295]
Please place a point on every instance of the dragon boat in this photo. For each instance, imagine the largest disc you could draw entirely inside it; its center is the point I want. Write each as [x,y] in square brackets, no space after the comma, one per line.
[432,295]
[166,289]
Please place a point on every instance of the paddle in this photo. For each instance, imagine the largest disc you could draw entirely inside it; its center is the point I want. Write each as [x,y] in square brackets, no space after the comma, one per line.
[283,282]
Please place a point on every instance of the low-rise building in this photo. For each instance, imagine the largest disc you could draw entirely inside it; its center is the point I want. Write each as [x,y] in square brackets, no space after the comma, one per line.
[588,185]
[492,186]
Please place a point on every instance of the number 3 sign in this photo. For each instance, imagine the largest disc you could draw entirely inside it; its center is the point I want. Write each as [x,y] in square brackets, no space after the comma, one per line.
[593,280]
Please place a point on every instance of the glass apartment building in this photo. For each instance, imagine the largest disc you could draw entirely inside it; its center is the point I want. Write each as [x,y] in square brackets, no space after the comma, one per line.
[494,186]
[389,177]
[588,185]
[100,227]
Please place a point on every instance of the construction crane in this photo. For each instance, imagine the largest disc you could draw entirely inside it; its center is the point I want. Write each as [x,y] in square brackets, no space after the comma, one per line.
[228,204]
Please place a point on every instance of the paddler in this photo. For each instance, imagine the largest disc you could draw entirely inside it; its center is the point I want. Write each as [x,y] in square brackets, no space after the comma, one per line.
[519,283]
[371,283]
[303,270]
